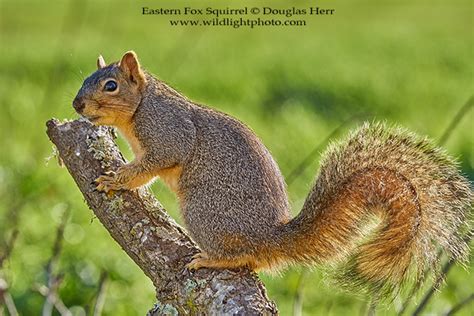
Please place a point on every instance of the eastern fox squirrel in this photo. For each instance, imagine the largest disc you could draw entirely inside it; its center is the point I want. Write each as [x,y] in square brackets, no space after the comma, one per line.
[233,197]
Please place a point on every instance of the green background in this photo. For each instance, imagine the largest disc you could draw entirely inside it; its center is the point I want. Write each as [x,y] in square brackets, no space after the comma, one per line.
[406,62]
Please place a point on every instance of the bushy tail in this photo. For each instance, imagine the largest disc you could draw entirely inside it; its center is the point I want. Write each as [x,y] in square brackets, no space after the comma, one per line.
[414,191]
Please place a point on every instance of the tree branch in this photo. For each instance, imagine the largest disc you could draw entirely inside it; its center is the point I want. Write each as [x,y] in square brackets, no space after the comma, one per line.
[158,245]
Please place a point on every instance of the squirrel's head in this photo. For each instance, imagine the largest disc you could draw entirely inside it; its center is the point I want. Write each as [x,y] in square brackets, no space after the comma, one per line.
[111,95]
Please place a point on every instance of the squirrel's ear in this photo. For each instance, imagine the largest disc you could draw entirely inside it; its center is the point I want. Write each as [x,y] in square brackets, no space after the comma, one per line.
[101,62]
[130,65]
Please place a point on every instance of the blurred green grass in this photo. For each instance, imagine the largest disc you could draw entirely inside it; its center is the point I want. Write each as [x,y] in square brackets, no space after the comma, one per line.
[408,62]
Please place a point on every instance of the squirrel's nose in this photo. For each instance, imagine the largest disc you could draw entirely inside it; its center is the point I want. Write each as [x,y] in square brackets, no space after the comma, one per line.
[78,104]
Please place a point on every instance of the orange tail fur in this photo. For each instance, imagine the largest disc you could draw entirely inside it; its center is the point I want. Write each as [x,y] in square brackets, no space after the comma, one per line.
[413,188]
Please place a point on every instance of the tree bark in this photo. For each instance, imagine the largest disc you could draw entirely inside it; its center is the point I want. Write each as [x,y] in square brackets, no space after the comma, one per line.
[159,246]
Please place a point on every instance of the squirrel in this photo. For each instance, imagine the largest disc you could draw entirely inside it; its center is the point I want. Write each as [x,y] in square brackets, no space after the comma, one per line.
[233,197]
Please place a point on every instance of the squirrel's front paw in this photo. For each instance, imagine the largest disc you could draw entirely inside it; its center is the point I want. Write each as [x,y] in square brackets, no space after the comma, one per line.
[108,182]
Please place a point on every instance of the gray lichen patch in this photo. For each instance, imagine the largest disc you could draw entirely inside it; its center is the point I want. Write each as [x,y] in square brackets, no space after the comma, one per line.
[137,230]
[163,309]
[222,303]
[115,205]
[146,234]
[101,146]
[189,286]
[201,282]
[142,230]
[192,287]
[155,209]
[163,234]
[223,290]
[64,124]
[149,200]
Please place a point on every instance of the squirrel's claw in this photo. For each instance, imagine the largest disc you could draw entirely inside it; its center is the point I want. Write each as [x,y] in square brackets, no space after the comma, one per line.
[199,255]
[194,264]
[199,260]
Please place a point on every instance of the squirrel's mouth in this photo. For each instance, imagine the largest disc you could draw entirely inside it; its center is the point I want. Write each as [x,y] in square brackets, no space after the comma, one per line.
[92,119]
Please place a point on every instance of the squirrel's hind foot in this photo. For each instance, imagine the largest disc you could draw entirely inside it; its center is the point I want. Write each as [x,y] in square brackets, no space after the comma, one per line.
[202,260]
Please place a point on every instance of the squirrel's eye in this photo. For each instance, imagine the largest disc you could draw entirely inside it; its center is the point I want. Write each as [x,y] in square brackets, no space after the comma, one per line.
[110,86]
